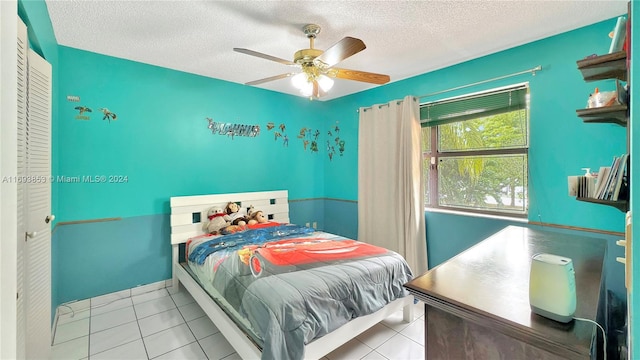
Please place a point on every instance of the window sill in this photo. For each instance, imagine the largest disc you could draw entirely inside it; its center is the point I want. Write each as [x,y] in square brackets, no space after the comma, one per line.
[478,215]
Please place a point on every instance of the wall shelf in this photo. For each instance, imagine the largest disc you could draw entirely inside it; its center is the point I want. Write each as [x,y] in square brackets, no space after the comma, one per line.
[616,114]
[609,66]
[621,205]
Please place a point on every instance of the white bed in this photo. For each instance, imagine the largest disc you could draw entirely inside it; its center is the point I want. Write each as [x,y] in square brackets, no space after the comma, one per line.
[185,214]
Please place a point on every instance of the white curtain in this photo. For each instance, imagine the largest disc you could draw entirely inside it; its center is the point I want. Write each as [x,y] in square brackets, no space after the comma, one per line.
[390,180]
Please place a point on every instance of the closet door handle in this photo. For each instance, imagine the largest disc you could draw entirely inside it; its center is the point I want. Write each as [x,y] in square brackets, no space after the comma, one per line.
[32,234]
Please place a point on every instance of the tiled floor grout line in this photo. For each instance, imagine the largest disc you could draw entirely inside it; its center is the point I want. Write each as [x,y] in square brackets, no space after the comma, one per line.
[389,339]
[189,327]
[196,341]
[89,335]
[136,320]
[109,328]
[374,351]
[128,342]
[362,342]
[399,333]
[182,316]
[135,314]
[57,324]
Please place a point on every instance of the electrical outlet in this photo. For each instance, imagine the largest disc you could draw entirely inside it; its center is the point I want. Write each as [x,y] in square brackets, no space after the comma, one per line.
[307,224]
[315,225]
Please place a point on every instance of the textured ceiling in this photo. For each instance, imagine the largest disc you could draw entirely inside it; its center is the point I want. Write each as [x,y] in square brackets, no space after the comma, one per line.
[403,38]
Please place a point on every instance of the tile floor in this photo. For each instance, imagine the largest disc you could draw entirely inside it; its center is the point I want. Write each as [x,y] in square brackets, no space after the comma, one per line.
[150,323]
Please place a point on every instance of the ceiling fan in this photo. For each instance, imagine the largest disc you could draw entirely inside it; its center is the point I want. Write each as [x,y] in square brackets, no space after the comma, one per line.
[317,66]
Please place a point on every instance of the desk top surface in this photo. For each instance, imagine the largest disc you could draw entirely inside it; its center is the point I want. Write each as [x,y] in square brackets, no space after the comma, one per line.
[491,280]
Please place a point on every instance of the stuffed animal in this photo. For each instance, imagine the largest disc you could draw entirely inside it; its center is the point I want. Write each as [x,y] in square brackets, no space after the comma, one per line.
[257,217]
[216,220]
[237,216]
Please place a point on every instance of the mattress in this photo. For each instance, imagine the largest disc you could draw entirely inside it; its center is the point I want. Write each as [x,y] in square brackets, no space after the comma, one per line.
[287,285]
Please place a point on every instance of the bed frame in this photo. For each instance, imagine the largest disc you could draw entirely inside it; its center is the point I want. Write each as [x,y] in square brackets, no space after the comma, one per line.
[186,212]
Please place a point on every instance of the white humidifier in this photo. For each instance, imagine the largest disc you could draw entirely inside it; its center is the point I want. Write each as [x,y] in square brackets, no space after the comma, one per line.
[552,287]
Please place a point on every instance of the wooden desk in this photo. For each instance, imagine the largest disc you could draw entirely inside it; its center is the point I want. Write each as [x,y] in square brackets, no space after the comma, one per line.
[477,303]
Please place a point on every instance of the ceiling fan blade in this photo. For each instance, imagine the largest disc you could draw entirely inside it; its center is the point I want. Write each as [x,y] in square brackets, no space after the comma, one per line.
[363,76]
[339,51]
[272,78]
[264,56]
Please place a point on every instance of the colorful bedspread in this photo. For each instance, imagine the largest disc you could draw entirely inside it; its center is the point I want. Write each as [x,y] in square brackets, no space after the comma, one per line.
[291,284]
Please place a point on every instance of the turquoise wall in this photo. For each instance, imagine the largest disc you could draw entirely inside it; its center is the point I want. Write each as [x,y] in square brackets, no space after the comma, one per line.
[161,142]
[560,143]
[103,257]
[160,139]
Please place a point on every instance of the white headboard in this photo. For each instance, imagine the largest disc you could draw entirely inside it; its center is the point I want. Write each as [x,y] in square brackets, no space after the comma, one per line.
[187,212]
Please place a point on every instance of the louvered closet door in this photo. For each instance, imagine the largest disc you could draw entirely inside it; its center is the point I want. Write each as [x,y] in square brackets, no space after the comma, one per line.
[22,171]
[37,197]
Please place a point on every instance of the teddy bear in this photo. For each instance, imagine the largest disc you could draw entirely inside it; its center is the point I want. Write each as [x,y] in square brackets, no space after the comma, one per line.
[257,217]
[235,214]
[216,220]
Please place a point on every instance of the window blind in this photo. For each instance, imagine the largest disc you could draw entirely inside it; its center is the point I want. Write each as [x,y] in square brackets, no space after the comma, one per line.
[473,106]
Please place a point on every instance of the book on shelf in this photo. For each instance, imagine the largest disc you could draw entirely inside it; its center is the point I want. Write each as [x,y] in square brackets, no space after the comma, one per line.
[621,179]
[602,178]
[581,186]
[611,188]
[602,195]
[586,186]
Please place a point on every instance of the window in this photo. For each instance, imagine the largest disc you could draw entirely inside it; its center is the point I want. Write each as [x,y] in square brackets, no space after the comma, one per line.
[476,152]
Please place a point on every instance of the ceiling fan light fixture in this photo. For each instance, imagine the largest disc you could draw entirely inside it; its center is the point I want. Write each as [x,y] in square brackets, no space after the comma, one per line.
[307,89]
[325,82]
[299,81]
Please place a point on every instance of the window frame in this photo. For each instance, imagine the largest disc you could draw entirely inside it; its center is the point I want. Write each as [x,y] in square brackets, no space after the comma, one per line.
[434,155]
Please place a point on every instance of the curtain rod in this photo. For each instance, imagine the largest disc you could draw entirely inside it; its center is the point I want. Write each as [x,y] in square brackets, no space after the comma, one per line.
[532,71]
[398,102]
